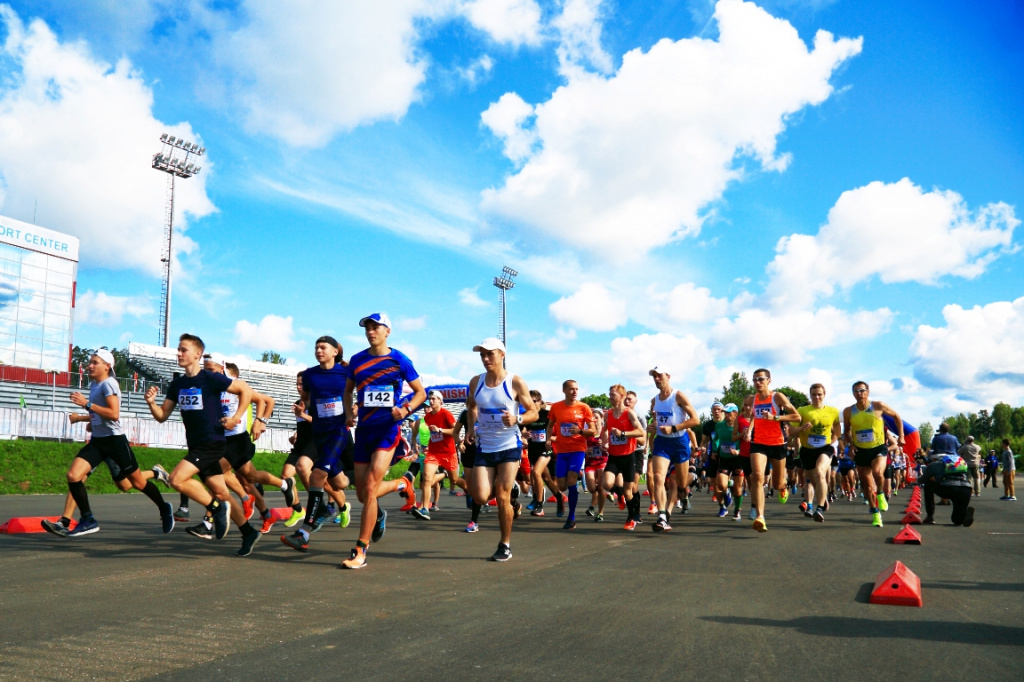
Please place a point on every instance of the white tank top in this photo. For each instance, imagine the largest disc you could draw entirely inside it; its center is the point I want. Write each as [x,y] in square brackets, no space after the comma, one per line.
[228,407]
[668,413]
[491,433]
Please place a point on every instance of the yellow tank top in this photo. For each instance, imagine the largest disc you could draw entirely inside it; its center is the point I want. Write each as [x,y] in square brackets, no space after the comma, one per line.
[821,420]
[868,428]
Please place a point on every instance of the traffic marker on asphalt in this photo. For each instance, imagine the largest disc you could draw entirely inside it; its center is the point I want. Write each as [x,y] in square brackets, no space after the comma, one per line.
[28,524]
[897,586]
[907,536]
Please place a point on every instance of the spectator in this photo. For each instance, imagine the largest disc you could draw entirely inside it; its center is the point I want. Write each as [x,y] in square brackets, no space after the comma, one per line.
[1009,469]
[944,442]
[971,454]
[991,468]
[946,476]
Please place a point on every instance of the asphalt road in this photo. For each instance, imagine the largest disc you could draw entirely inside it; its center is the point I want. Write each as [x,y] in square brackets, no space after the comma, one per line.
[710,600]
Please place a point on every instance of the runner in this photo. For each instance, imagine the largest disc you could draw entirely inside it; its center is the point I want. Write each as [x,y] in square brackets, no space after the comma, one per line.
[674,415]
[569,425]
[539,455]
[323,388]
[109,444]
[197,394]
[493,401]
[622,428]
[639,455]
[594,461]
[468,451]
[730,465]
[376,378]
[440,455]
[864,431]
[767,442]
[818,430]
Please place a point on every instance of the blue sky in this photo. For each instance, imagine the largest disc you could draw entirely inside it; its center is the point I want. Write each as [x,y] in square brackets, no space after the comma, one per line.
[831,189]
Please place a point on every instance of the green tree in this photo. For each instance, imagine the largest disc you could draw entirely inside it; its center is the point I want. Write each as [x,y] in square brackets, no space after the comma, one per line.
[738,389]
[602,401]
[981,428]
[959,426]
[272,356]
[927,431]
[1001,416]
[80,358]
[798,398]
[1017,421]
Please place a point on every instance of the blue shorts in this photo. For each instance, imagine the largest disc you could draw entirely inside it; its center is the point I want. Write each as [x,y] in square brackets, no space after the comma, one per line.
[569,461]
[374,437]
[493,459]
[330,452]
[675,450]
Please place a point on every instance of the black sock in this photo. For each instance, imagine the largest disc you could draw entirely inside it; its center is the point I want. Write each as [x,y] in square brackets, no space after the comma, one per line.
[81,497]
[476,512]
[290,498]
[265,514]
[212,506]
[316,499]
[153,493]
[297,507]
[247,528]
[65,521]
[617,490]
[183,502]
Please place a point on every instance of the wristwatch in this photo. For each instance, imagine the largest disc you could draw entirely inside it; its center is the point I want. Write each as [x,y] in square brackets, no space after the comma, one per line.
[88,406]
[261,419]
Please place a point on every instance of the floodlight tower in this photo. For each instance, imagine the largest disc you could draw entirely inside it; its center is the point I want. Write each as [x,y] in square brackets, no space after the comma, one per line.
[504,282]
[173,159]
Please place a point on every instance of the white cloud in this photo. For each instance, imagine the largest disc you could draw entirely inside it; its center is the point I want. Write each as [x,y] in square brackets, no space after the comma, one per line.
[505,119]
[579,31]
[513,22]
[686,303]
[897,232]
[273,332]
[100,309]
[978,352]
[468,296]
[411,324]
[305,71]
[557,343]
[649,148]
[785,336]
[592,307]
[76,139]
[477,70]
[633,358]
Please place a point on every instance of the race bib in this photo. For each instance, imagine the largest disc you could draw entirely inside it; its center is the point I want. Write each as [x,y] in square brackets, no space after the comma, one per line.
[537,436]
[618,440]
[865,436]
[727,450]
[817,441]
[565,428]
[663,418]
[489,418]
[330,407]
[436,436]
[379,396]
[190,399]
[763,411]
[594,453]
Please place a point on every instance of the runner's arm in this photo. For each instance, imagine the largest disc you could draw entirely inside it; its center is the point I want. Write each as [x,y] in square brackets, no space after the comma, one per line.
[532,413]
[161,412]
[885,409]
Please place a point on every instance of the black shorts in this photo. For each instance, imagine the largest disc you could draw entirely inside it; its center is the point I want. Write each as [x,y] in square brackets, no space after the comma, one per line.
[888,472]
[711,467]
[730,465]
[791,461]
[809,456]
[469,456]
[206,458]
[115,451]
[865,457]
[238,450]
[638,462]
[776,452]
[535,451]
[304,447]
[621,464]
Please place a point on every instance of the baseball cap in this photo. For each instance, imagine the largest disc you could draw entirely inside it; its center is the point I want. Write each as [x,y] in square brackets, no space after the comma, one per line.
[435,393]
[731,407]
[106,356]
[660,369]
[215,358]
[379,318]
[331,340]
[490,343]
[717,403]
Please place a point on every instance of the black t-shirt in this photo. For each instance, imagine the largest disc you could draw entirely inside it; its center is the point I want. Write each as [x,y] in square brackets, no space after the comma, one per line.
[198,398]
[538,427]
[464,421]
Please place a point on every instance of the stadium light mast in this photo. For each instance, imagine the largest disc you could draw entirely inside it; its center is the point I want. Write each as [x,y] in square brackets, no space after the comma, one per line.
[174,159]
[504,282]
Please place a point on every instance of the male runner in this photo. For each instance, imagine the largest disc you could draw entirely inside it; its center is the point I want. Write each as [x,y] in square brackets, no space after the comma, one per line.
[539,455]
[622,428]
[864,431]
[673,414]
[569,426]
[197,394]
[376,378]
[108,443]
[467,447]
[729,464]
[767,442]
[818,430]
[440,453]
[493,401]
[639,455]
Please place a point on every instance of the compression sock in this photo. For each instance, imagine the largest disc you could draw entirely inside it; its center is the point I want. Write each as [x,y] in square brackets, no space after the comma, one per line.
[475,516]
[316,500]
[65,521]
[617,490]
[183,501]
[574,497]
[738,503]
[265,513]
[77,490]
[153,493]
[288,490]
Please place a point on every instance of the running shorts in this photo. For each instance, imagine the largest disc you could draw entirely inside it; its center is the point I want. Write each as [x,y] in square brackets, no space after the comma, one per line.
[206,458]
[493,459]
[373,437]
[239,450]
[115,451]
[809,456]
[675,450]
[864,458]
[332,451]
[776,452]
[621,464]
[569,461]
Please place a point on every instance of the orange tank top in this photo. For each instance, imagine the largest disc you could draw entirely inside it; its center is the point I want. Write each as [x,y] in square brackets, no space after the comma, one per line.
[767,431]
[619,445]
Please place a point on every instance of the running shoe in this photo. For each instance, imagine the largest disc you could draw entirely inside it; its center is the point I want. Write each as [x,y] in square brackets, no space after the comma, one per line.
[514,494]
[659,525]
[728,499]
[722,511]
[160,474]
[409,493]
[665,527]
[753,514]
[808,513]
[883,504]
[783,496]
[570,525]
[268,523]
[686,506]
[181,514]
[537,511]
[969,517]
[249,541]
[167,517]
[248,508]
[561,506]
[819,515]
[422,514]
[532,505]
[653,509]
[297,515]
[759,525]
[590,510]
[472,527]
[1011,498]
[598,518]
[221,516]
[517,510]
[928,520]
[503,553]
[200,531]
[345,515]
[630,525]
[356,560]
[58,528]
[737,516]
[876,519]
[803,506]
[320,520]
[380,526]
[434,508]
[296,541]
[621,502]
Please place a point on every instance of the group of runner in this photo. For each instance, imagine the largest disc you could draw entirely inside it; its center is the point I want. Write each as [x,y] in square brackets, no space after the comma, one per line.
[349,419]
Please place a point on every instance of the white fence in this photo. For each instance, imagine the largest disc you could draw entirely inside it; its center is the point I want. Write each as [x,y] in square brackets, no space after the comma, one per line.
[19,423]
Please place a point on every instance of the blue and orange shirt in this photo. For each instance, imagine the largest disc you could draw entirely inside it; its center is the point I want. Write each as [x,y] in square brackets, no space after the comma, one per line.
[378,380]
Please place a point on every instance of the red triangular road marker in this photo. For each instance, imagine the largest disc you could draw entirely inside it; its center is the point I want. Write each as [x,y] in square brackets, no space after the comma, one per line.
[897,586]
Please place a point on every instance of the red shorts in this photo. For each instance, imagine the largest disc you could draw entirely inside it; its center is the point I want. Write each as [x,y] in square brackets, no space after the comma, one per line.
[595,464]
[524,464]
[449,463]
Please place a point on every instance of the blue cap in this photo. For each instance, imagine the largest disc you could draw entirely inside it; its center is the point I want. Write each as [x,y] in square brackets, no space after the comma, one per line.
[379,318]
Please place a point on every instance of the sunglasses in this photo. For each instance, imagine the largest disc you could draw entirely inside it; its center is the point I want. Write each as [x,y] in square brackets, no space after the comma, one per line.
[758,380]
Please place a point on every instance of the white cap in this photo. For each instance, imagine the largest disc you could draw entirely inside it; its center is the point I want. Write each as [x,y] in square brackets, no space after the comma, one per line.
[660,369]
[490,343]
[216,358]
[106,356]
[379,318]
[437,394]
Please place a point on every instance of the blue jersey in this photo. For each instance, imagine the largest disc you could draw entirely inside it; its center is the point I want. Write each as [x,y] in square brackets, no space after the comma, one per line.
[326,388]
[378,380]
[198,398]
